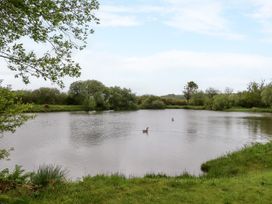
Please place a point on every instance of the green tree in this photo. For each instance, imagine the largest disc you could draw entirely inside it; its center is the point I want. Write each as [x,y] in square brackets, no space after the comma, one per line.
[151,102]
[89,103]
[122,99]
[56,26]
[46,95]
[11,113]
[189,89]
[267,95]
[211,92]
[80,90]
[198,98]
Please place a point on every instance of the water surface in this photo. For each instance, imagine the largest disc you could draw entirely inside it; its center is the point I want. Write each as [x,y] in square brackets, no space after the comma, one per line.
[111,142]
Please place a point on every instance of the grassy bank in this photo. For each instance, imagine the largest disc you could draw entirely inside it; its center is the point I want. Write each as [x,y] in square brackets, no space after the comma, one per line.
[241,177]
[234,109]
[54,108]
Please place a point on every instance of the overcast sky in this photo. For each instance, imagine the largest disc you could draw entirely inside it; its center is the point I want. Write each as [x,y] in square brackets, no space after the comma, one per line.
[156,46]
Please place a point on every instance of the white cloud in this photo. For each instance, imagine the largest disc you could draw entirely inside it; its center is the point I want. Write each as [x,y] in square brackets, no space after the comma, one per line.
[204,17]
[114,17]
[198,16]
[263,14]
[166,72]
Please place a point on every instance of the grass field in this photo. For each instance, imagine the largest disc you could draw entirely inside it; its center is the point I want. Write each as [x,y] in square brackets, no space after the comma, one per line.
[55,108]
[240,177]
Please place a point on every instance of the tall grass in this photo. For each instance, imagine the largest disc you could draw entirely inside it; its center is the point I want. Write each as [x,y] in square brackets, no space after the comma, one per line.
[49,175]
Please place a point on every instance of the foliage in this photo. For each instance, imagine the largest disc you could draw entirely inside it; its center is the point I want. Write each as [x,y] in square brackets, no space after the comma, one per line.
[122,99]
[48,175]
[151,102]
[11,180]
[43,95]
[198,98]
[251,97]
[79,90]
[173,101]
[11,110]
[267,95]
[189,89]
[89,103]
[58,26]
[211,92]
[221,102]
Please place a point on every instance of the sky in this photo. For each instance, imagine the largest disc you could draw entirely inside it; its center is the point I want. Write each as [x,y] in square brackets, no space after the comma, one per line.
[157,46]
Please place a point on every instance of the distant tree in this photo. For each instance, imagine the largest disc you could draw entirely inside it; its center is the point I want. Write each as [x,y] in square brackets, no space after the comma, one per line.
[151,102]
[81,90]
[198,98]
[267,95]
[56,27]
[222,102]
[46,95]
[251,97]
[122,99]
[89,103]
[211,92]
[189,89]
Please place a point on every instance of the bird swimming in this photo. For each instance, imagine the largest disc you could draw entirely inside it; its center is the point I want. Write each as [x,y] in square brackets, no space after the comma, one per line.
[146,130]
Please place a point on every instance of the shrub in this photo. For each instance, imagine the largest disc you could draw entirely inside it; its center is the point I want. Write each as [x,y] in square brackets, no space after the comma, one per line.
[11,180]
[221,102]
[48,175]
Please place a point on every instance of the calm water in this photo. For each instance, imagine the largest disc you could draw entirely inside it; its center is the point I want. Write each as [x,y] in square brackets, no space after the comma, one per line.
[90,144]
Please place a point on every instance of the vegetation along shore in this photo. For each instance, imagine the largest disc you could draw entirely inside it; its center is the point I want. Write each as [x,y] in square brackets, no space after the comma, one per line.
[241,177]
[94,95]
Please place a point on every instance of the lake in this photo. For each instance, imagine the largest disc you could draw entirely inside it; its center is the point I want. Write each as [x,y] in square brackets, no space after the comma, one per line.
[113,142]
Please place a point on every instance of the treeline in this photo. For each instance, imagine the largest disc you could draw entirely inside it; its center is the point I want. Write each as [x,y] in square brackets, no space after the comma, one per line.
[91,94]
[256,95]
[94,95]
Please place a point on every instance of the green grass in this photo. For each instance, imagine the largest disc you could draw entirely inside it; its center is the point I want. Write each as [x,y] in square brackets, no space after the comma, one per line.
[251,159]
[234,109]
[254,110]
[240,177]
[185,107]
[55,108]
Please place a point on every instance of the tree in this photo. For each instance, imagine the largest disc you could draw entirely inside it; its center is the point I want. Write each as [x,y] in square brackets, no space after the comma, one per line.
[62,26]
[46,95]
[89,103]
[189,89]
[211,92]
[267,95]
[80,90]
[11,113]
[122,99]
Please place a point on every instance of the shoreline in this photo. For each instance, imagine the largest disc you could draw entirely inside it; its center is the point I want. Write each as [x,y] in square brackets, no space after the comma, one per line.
[71,108]
[243,176]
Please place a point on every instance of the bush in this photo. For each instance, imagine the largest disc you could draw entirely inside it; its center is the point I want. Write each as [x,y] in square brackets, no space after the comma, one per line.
[267,96]
[221,102]
[11,180]
[48,175]
[198,99]
[151,102]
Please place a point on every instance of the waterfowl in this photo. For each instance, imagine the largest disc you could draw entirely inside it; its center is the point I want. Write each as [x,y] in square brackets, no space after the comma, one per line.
[146,130]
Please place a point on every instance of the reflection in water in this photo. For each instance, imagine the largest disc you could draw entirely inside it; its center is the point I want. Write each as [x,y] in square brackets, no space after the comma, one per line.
[93,129]
[259,126]
[114,142]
